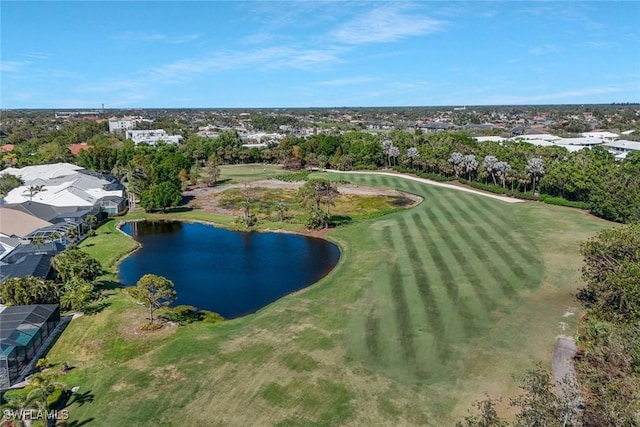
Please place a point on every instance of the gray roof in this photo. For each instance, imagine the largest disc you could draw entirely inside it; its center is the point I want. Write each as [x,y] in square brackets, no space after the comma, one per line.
[36,265]
[19,323]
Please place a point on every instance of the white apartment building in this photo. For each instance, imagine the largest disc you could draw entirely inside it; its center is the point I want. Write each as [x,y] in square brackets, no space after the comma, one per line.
[152,137]
[125,123]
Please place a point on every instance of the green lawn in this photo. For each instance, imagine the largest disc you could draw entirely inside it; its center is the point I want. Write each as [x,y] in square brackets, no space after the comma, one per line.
[428,309]
[230,174]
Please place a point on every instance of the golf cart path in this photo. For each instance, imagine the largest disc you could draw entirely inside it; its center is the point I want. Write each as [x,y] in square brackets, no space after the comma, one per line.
[434,183]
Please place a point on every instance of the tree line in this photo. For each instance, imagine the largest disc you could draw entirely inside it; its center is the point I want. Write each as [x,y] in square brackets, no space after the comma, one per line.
[589,178]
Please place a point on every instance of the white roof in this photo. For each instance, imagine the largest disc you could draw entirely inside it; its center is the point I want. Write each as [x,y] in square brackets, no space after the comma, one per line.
[31,173]
[74,189]
[580,141]
[537,136]
[623,144]
[490,138]
[600,134]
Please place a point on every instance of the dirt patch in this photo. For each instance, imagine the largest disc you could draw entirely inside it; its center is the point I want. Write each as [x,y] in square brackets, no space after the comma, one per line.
[132,321]
[168,372]
[207,199]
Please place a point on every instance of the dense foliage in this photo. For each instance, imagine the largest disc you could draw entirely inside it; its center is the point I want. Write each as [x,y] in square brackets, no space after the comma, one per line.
[609,337]
[29,290]
[587,178]
[8,182]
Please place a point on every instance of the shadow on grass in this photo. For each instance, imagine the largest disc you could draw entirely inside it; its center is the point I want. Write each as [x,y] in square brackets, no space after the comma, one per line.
[108,284]
[180,209]
[96,308]
[76,423]
[81,398]
[337,220]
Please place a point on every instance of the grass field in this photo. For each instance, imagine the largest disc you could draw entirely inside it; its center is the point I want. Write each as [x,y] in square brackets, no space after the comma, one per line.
[230,174]
[428,310]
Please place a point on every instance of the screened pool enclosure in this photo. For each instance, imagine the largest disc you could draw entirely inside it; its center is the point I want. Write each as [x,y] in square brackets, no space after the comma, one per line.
[23,330]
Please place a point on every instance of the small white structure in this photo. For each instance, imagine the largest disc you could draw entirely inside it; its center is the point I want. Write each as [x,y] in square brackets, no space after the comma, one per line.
[125,123]
[604,136]
[152,137]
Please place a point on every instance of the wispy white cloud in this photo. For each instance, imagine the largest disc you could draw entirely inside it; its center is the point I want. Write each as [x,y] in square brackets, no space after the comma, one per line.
[347,81]
[545,49]
[600,44]
[266,58]
[36,55]
[156,37]
[13,66]
[386,23]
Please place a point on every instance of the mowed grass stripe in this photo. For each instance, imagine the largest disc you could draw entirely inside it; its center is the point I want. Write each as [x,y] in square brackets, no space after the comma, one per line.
[424,283]
[465,315]
[496,237]
[372,333]
[467,261]
[402,316]
[495,216]
[488,262]
[524,245]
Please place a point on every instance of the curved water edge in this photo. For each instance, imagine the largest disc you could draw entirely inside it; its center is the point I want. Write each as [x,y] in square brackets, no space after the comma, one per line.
[230,272]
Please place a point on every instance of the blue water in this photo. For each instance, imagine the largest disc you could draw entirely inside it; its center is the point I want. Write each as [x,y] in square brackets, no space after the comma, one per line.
[232,273]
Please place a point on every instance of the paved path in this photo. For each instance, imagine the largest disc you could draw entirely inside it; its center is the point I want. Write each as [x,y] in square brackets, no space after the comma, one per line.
[564,375]
[435,183]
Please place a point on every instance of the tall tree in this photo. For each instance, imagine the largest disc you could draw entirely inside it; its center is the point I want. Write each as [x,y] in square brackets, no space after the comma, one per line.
[489,165]
[470,165]
[457,159]
[28,290]
[412,154]
[211,171]
[8,182]
[154,292]
[161,196]
[75,264]
[535,170]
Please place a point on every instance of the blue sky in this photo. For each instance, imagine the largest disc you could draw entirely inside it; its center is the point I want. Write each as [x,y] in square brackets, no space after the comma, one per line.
[62,54]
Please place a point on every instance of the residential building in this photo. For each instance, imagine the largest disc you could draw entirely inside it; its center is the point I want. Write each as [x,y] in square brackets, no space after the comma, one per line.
[124,124]
[67,185]
[152,137]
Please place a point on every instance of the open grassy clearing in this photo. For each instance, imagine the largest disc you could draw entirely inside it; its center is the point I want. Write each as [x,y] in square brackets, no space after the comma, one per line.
[428,310]
[231,174]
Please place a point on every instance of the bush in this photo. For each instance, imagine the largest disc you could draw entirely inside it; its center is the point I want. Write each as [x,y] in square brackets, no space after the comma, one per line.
[560,201]
[57,398]
[210,317]
[13,394]
[293,176]
[179,313]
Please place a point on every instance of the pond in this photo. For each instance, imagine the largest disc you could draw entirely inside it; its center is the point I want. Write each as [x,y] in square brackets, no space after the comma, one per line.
[229,272]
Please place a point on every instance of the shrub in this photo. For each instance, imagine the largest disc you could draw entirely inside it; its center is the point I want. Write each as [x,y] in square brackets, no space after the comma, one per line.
[210,317]
[13,394]
[560,201]
[293,176]
[57,398]
[179,314]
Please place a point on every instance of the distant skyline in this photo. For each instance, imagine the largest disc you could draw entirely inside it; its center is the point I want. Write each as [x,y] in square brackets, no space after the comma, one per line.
[278,54]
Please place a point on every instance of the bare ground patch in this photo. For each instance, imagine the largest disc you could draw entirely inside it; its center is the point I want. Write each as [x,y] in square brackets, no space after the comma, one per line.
[208,198]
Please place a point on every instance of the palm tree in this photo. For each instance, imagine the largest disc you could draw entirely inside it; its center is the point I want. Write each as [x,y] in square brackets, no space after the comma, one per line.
[470,165]
[535,169]
[456,160]
[412,154]
[489,164]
